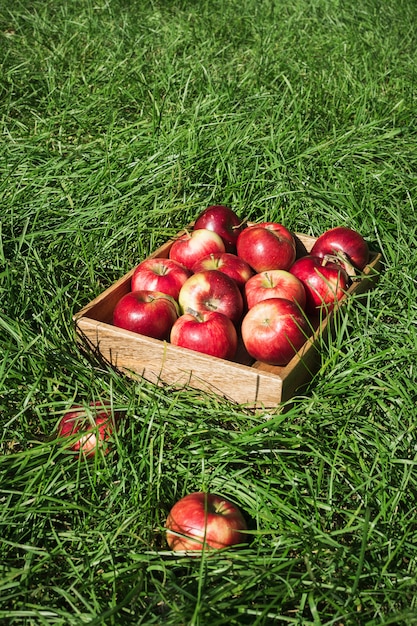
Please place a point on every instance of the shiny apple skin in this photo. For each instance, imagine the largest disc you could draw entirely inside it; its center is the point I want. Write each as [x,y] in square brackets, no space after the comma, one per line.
[195,245]
[274,330]
[201,521]
[344,240]
[228,263]
[267,246]
[325,283]
[212,290]
[274,284]
[149,313]
[210,333]
[95,427]
[160,274]
[222,220]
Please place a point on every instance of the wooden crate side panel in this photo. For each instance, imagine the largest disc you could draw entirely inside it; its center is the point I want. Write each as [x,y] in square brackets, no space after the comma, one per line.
[160,362]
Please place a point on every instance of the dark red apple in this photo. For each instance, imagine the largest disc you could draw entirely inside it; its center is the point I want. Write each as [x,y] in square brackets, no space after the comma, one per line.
[343,242]
[208,332]
[211,290]
[274,284]
[88,428]
[228,263]
[149,313]
[274,330]
[325,282]
[205,521]
[223,221]
[195,245]
[160,274]
[267,246]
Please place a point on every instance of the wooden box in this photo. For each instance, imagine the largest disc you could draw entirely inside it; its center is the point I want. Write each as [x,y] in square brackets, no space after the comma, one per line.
[245,381]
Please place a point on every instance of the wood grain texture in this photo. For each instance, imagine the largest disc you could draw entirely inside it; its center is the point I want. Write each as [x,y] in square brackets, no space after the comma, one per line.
[253,384]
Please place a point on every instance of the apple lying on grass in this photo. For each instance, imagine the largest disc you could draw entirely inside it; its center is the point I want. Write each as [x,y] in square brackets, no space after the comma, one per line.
[274,330]
[208,332]
[195,245]
[204,521]
[274,284]
[89,429]
[212,290]
[149,313]
[228,263]
[325,282]
[267,246]
[223,221]
[160,274]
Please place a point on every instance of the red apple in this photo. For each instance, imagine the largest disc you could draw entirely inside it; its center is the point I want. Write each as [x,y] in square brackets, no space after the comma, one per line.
[208,332]
[274,330]
[211,290]
[228,263]
[343,242]
[89,429]
[149,313]
[267,246]
[274,284]
[223,221]
[195,245]
[160,274]
[204,521]
[325,282]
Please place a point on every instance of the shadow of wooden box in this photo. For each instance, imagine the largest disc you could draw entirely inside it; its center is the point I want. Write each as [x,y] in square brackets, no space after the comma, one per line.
[243,380]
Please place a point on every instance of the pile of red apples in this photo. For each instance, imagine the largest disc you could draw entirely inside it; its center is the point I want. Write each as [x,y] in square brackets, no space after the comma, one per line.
[224,280]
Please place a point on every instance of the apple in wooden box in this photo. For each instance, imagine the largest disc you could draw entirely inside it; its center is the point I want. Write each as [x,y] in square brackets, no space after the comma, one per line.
[245,381]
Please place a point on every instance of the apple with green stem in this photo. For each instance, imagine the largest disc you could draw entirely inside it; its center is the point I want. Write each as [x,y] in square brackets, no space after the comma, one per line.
[207,332]
[212,290]
[160,274]
[274,284]
[274,330]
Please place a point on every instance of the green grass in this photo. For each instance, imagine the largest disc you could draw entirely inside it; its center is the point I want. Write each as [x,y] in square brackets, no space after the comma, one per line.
[120,122]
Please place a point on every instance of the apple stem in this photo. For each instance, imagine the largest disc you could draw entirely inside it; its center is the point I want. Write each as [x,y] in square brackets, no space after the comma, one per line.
[268,278]
[194,313]
[220,508]
[240,224]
